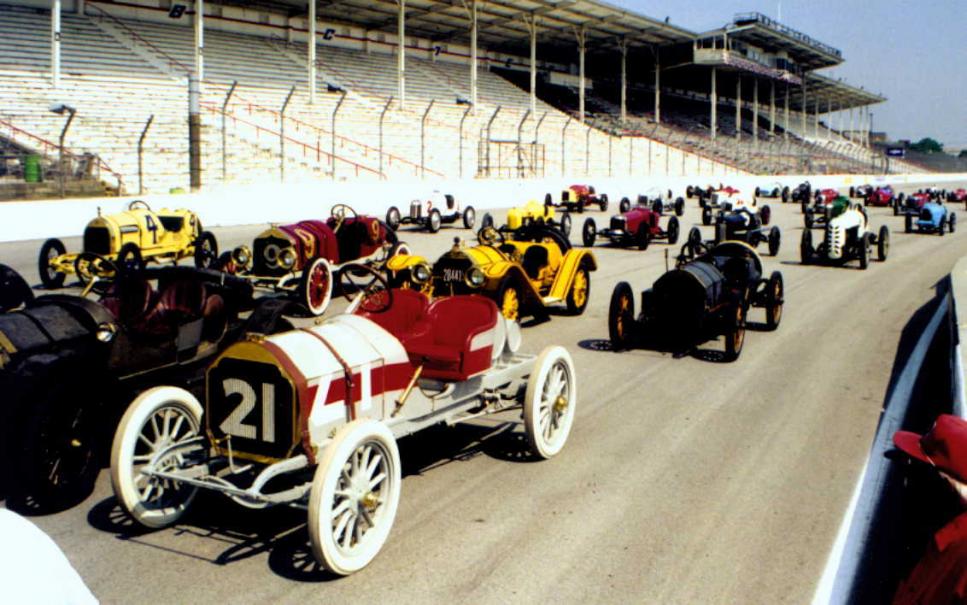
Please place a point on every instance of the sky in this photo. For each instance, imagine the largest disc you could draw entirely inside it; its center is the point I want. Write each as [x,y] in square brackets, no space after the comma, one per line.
[913,53]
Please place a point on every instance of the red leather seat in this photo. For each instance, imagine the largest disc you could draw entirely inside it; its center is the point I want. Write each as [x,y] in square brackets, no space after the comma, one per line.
[409,308]
[458,338]
[129,299]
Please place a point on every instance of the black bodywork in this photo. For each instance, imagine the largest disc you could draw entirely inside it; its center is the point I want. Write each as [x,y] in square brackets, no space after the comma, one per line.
[69,364]
[707,294]
[749,227]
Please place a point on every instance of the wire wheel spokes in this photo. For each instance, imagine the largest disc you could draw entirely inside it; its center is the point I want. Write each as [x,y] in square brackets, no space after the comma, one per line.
[359,495]
[554,400]
[163,428]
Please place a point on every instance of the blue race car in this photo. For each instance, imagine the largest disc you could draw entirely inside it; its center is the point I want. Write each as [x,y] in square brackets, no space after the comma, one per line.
[933,217]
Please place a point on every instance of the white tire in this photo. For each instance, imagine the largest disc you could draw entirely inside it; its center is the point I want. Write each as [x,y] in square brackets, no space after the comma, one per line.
[158,418]
[354,497]
[550,401]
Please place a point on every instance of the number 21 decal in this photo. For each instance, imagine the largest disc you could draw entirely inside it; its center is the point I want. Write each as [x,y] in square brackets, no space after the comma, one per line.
[235,424]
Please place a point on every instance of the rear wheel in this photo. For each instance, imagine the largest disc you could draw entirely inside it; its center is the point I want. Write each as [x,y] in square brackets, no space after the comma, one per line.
[807,219]
[50,250]
[735,338]
[566,224]
[156,420]
[393,218]
[775,239]
[908,224]
[621,317]
[603,204]
[354,496]
[624,205]
[806,247]
[206,251]
[689,191]
[694,240]
[549,402]
[580,292]
[509,299]
[434,221]
[469,217]
[864,251]
[643,237]
[785,194]
[673,230]
[315,286]
[774,300]
[589,232]
[679,207]
[765,213]
[883,243]
[953,222]
[486,221]
[706,216]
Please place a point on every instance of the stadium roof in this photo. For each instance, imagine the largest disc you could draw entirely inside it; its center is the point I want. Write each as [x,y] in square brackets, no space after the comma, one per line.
[760,30]
[501,23]
[840,94]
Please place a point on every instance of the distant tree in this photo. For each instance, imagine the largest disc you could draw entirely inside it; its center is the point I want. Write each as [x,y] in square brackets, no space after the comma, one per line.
[927,145]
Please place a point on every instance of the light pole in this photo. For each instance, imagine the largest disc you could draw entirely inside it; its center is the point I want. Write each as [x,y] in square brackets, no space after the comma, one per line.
[342,92]
[60,109]
[463,118]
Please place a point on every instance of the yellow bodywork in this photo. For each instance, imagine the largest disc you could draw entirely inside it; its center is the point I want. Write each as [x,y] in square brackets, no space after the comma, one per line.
[531,211]
[550,284]
[168,235]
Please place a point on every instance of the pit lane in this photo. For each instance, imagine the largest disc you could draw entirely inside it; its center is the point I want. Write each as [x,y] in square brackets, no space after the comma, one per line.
[684,480]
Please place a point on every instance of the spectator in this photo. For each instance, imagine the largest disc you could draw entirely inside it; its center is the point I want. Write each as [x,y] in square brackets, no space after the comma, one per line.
[940,577]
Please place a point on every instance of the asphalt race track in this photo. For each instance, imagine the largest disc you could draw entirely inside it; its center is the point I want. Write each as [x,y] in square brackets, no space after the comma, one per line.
[684,480]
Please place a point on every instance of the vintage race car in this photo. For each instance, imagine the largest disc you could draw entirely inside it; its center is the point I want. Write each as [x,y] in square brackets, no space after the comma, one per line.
[638,226]
[933,218]
[524,274]
[129,239]
[913,203]
[775,190]
[430,213]
[958,196]
[531,214]
[310,418]
[300,259]
[860,191]
[803,191]
[707,294]
[846,237]
[745,225]
[719,198]
[881,197]
[700,191]
[65,360]
[578,198]
[719,204]
[824,210]
[820,197]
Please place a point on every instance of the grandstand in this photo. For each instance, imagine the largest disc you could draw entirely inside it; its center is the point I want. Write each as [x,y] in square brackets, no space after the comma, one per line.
[361,111]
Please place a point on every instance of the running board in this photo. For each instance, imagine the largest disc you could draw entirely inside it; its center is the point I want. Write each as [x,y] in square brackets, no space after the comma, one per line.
[550,300]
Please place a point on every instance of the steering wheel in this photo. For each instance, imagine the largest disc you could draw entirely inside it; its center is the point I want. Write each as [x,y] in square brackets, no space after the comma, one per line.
[94,271]
[338,212]
[139,204]
[368,285]
[489,236]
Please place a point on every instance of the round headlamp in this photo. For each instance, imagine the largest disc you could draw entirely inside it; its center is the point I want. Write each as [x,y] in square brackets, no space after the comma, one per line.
[421,274]
[242,256]
[271,254]
[475,278]
[287,258]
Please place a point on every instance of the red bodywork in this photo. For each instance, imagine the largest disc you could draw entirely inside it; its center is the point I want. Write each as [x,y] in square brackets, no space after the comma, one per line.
[881,196]
[636,216]
[358,237]
[584,195]
[826,196]
[959,195]
[452,337]
[917,200]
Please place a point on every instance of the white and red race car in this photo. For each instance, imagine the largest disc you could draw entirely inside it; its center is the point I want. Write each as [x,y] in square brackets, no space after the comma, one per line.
[310,417]
[430,213]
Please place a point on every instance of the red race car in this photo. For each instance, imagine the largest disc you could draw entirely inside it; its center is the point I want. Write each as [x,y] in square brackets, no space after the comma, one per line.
[300,258]
[882,197]
[578,198]
[912,204]
[958,196]
[637,227]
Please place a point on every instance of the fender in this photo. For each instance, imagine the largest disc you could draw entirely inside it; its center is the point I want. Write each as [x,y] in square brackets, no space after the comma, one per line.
[401,262]
[569,266]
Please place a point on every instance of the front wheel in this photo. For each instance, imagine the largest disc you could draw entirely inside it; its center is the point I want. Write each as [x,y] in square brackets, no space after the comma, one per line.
[673,230]
[206,251]
[806,247]
[434,221]
[580,292]
[566,225]
[486,221]
[766,214]
[49,277]
[624,205]
[621,317]
[589,232]
[679,207]
[315,286]
[908,224]
[706,216]
[953,222]
[509,299]
[157,419]
[354,496]
[643,237]
[775,294]
[603,204]
[550,401]
[393,218]
[883,243]
[469,217]
[775,239]
[735,339]
[864,251]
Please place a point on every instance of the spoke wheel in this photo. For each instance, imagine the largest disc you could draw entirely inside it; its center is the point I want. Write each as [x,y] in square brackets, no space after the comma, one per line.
[775,300]
[735,338]
[158,418]
[550,402]
[509,301]
[621,317]
[51,278]
[577,298]
[315,286]
[354,497]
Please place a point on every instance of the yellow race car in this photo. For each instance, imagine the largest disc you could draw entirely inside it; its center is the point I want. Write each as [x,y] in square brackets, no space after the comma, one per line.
[127,240]
[525,275]
[533,213]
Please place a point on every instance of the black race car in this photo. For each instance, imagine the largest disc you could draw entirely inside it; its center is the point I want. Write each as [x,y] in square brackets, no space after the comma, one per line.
[747,225]
[707,294]
[65,359]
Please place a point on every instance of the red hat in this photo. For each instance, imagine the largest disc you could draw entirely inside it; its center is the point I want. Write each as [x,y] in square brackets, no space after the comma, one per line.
[943,446]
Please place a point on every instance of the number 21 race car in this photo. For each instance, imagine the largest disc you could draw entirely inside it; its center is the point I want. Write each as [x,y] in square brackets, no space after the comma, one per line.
[310,418]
